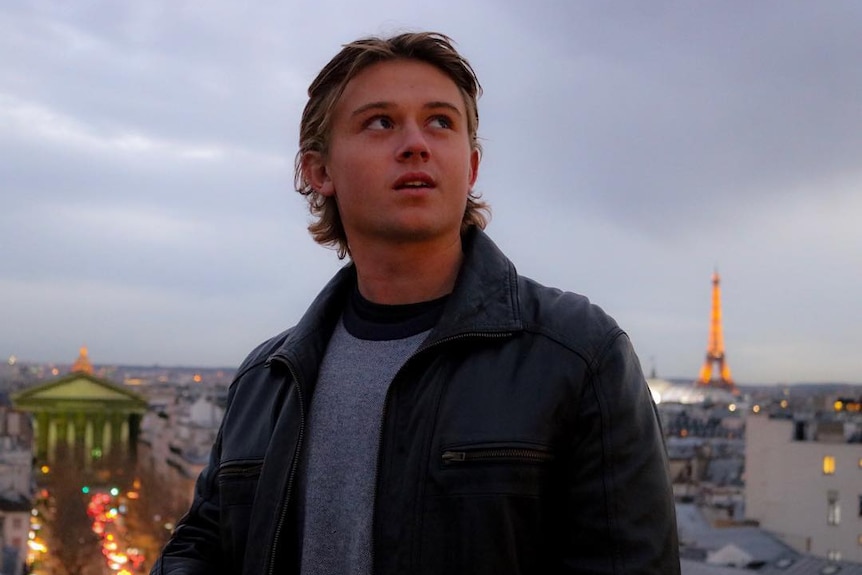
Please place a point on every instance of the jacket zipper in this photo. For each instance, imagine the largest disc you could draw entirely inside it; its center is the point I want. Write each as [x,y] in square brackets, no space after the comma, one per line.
[421,350]
[286,501]
[452,456]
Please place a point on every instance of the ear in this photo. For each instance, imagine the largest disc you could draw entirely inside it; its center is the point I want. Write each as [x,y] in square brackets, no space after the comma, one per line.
[475,157]
[315,173]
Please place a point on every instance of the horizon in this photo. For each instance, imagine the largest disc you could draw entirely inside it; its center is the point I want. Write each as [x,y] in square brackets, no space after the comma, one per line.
[677,380]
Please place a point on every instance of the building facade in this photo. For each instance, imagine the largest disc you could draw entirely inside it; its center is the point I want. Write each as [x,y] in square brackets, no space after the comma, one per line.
[16,487]
[84,420]
[804,483]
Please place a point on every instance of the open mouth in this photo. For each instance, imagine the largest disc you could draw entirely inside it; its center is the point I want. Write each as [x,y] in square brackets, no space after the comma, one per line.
[414,182]
[408,185]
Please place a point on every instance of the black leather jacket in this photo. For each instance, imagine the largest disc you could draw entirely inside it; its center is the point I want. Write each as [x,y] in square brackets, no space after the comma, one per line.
[520,438]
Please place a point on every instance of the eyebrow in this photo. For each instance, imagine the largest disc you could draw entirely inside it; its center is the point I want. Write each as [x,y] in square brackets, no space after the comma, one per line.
[383,105]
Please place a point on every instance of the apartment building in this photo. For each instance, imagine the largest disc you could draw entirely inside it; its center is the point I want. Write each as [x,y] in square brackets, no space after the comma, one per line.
[803,478]
[16,487]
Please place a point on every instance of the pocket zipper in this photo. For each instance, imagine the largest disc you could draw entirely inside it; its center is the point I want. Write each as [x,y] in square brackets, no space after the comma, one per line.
[452,456]
[241,469]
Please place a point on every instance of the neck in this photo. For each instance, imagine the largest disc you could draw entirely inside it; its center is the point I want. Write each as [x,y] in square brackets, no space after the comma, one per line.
[407,273]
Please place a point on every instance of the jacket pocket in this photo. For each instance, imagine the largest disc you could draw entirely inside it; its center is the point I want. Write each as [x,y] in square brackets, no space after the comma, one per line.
[237,482]
[493,468]
[487,509]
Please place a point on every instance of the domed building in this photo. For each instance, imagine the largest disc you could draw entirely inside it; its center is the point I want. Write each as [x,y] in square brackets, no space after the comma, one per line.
[664,391]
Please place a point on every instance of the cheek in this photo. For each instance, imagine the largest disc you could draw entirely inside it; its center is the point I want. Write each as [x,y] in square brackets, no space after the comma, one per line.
[343,174]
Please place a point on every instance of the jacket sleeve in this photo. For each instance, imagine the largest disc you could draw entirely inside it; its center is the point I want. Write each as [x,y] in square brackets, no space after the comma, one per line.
[195,545]
[619,500]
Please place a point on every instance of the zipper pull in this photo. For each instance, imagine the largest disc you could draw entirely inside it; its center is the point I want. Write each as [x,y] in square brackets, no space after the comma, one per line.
[454,456]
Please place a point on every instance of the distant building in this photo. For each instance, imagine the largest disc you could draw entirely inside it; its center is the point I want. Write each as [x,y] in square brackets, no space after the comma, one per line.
[14,529]
[92,421]
[16,487]
[804,482]
[706,549]
[664,391]
[177,435]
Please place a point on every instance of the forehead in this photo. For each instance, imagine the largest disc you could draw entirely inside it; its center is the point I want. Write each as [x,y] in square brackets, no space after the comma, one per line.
[400,81]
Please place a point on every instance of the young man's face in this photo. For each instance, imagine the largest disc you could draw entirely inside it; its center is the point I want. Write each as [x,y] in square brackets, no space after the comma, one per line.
[400,162]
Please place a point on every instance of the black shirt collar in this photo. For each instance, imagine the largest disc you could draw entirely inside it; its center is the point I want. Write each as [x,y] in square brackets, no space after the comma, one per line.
[365,319]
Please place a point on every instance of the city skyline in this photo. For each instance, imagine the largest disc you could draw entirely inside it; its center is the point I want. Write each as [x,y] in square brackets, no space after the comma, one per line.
[146,159]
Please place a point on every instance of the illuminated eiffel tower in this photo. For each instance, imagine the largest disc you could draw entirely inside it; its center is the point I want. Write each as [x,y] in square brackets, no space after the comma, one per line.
[715,349]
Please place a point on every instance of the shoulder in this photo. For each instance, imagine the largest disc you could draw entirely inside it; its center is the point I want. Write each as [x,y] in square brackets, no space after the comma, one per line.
[256,383]
[570,319]
[259,356]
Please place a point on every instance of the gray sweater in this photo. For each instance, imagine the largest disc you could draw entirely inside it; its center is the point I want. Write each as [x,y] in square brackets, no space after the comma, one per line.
[336,495]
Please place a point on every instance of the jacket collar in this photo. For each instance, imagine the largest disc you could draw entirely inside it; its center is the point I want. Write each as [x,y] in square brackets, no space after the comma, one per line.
[483,301]
[485,297]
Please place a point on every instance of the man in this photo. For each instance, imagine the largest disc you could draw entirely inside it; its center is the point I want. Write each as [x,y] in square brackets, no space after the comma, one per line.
[432,412]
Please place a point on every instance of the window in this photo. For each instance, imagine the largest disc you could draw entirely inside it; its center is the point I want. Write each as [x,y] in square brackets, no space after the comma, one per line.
[832,555]
[833,509]
[828,465]
[860,463]
[17,523]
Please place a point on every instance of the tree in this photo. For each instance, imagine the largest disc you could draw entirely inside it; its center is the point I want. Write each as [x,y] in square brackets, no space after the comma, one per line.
[156,506]
[72,541]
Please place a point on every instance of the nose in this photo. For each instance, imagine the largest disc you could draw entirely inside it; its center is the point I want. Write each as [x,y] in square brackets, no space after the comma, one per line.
[413,145]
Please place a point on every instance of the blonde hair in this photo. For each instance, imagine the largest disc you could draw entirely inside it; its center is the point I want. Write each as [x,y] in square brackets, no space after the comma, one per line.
[326,89]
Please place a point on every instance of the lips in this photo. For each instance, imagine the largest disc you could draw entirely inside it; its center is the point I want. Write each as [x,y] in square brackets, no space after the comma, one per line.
[414,181]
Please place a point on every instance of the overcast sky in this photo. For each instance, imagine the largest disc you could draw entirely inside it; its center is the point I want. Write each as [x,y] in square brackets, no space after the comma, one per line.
[146,157]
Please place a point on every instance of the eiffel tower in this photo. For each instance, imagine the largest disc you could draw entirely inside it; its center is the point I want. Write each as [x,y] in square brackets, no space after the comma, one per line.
[715,349]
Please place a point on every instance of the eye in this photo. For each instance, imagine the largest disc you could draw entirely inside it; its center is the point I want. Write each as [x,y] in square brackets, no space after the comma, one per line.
[380,123]
[441,122]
